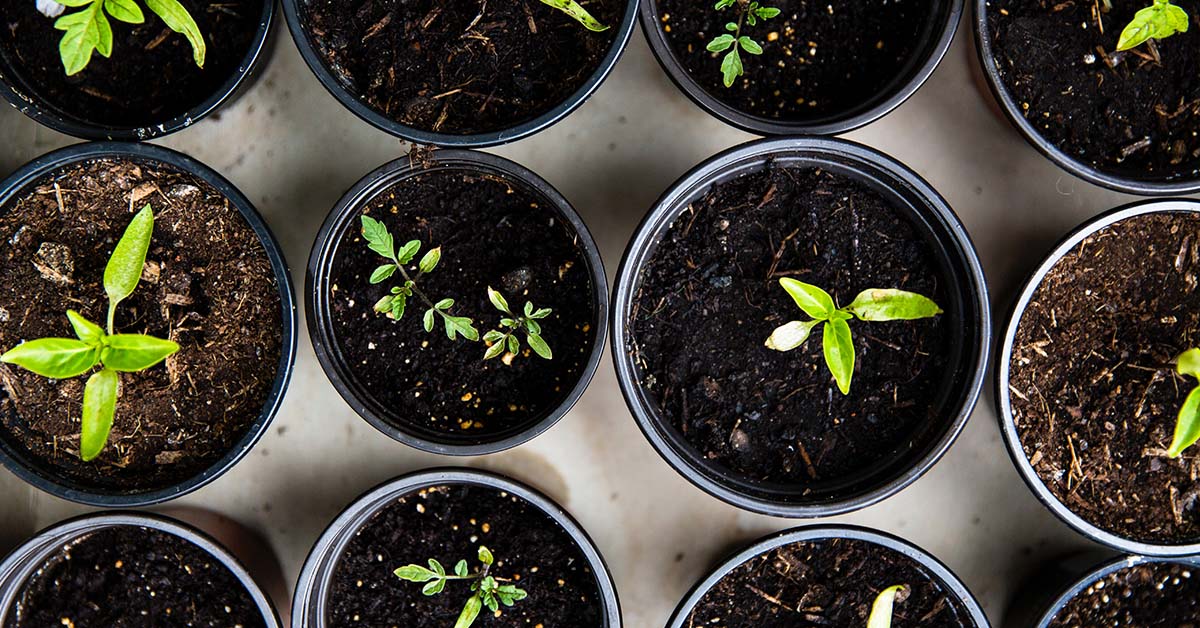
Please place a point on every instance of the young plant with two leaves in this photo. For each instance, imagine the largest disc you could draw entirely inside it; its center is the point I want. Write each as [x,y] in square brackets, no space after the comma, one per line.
[1157,21]
[749,12]
[486,590]
[872,305]
[88,30]
[64,358]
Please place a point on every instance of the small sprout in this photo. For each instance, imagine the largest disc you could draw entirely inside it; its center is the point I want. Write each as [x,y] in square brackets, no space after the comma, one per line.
[580,14]
[88,30]
[1157,21]
[506,337]
[487,591]
[1187,424]
[748,12]
[64,358]
[876,304]
[881,610]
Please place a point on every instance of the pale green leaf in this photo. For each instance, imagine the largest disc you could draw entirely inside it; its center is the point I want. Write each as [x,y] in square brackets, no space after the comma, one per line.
[485,556]
[430,260]
[415,573]
[731,67]
[720,43]
[84,35]
[749,45]
[810,299]
[378,238]
[461,569]
[514,345]
[539,346]
[433,588]
[498,300]
[428,322]
[125,266]
[462,326]
[408,251]
[879,304]
[1188,363]
[1158,21]
[179,20]
[572,8]
[382,273]
[125,10]
[790,335]
[86,330]
[1187,425]
[469,612]
[881,610]
[99,407]
[130,353]
[58,358]
[494,350]
[444,304]
[839,353]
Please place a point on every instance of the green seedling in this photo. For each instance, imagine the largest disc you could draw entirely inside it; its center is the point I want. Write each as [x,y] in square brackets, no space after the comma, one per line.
[88,30]
[486,590]
[748,14]
[881,610]
[876,304]
[1187,424]
[1157,21]
[64,358]
[506,337]
[580,14]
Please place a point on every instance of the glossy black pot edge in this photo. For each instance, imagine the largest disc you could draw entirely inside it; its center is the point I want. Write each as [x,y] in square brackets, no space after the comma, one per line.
[892,96]
[316,293]
[41,166]
[812,533]
[1003,355]
[312,585]
[934,210]
[230,90]
[351,101]
[16,568]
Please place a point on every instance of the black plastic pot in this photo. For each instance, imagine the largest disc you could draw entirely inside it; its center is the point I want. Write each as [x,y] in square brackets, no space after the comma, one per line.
[23,96]
[45,477]
[292,10]
[1008,428]
[1150,186]
[968,306]
[311,599]
[816,533]
[317,289]
[22,562]
[935,42]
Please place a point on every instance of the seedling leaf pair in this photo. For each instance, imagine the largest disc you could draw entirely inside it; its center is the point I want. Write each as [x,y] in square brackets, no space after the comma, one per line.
[487,591]
[88,30]
[876,304]
[733,41]
[1157,21]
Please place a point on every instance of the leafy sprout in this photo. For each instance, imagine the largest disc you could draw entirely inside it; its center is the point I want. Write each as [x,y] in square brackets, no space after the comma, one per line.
[506,336]
[487,590]
[1187,424]
[881,610]
[872,305]
[580,14]
[88,30]
[64,358]
[749,13]
[1157,21]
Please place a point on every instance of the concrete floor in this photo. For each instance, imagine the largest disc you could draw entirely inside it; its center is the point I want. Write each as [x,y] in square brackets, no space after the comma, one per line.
[293,150]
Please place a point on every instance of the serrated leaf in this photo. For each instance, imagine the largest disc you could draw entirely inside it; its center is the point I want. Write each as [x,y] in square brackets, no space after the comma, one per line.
[810,299]
[790,335]
[881,609]
[731,67]
[124,268]
[99,408]
[382,273]
[85,330]
[378,238]
[878,304]
[415,573]
[84,34]
[179,20]
[57,358]
[720,43]
[578,13]
[429,315]
[539,346]
[130,353]
[498,300]
[461,569]
[839,353]
[749,45]
[462,326]
[125,10]
[430,260]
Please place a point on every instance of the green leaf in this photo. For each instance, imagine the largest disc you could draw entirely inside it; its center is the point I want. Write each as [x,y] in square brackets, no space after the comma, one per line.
[790,335]
[408,251]
[881,610]
[532,326]
[381,274]
[437,567]
[125,10]
[749,45]
[430,260]
[493,336]
[498,301]
[1158,21]
[130,353]
[494,350]
[86,330]
[384,305]
[509,322]
[767,13]
[1188,363]
[85,32]
[125,266]
[731,27]
[578,13]
[485,556]
[509,594]
[179,20]
[839,353]
[415,573]
[58,358]
[469,612]
[878,304]
[489,600]
[444,304]
[542,313]
[433,588]
[99,407]
[540,347]
[461,569]
[460,325]
[429,314]
[751,19]
[1187,425]
[514,345]
[724,4]
[398,305]
[720,43]
[810,299]
[378,238]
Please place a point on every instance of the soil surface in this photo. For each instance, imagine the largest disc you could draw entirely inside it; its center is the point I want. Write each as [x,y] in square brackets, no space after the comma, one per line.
[710,297]
[128,577]
[450,523]
[493,232]
[827,583]
[208,285]
[1123,113]
[819,60]
[1093,384]
[459,66]
[151,77]
[1156,595]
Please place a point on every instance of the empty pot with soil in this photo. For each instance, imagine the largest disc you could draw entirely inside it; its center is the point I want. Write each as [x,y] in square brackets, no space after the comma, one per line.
[800,326]
[1091,387]
[830,576]
[783,67]
[129,70]
[148,324]
[1121,118]
[128,569]
[425,549]
[457,302]
[461,73]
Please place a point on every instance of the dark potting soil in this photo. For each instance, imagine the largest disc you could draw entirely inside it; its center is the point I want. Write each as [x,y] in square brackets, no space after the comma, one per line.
[456,66]
[130,576]
[1092,383]
[710,297]
[819,59]
[450,523]
[1154,595]
[1119,112]
[829,582]
[208,285]
[493,232]
[151,77]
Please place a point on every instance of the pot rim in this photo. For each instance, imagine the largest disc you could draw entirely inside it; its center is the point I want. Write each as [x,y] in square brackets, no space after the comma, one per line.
[414,135]
[1100,571]
[1004,413]
[30,173]
[324,252]
[77,127]
[934,208]
[28,556]
[316,573]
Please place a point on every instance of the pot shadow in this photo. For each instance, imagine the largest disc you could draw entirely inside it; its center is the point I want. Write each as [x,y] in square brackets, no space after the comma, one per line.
[1043,581]
[529,468]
